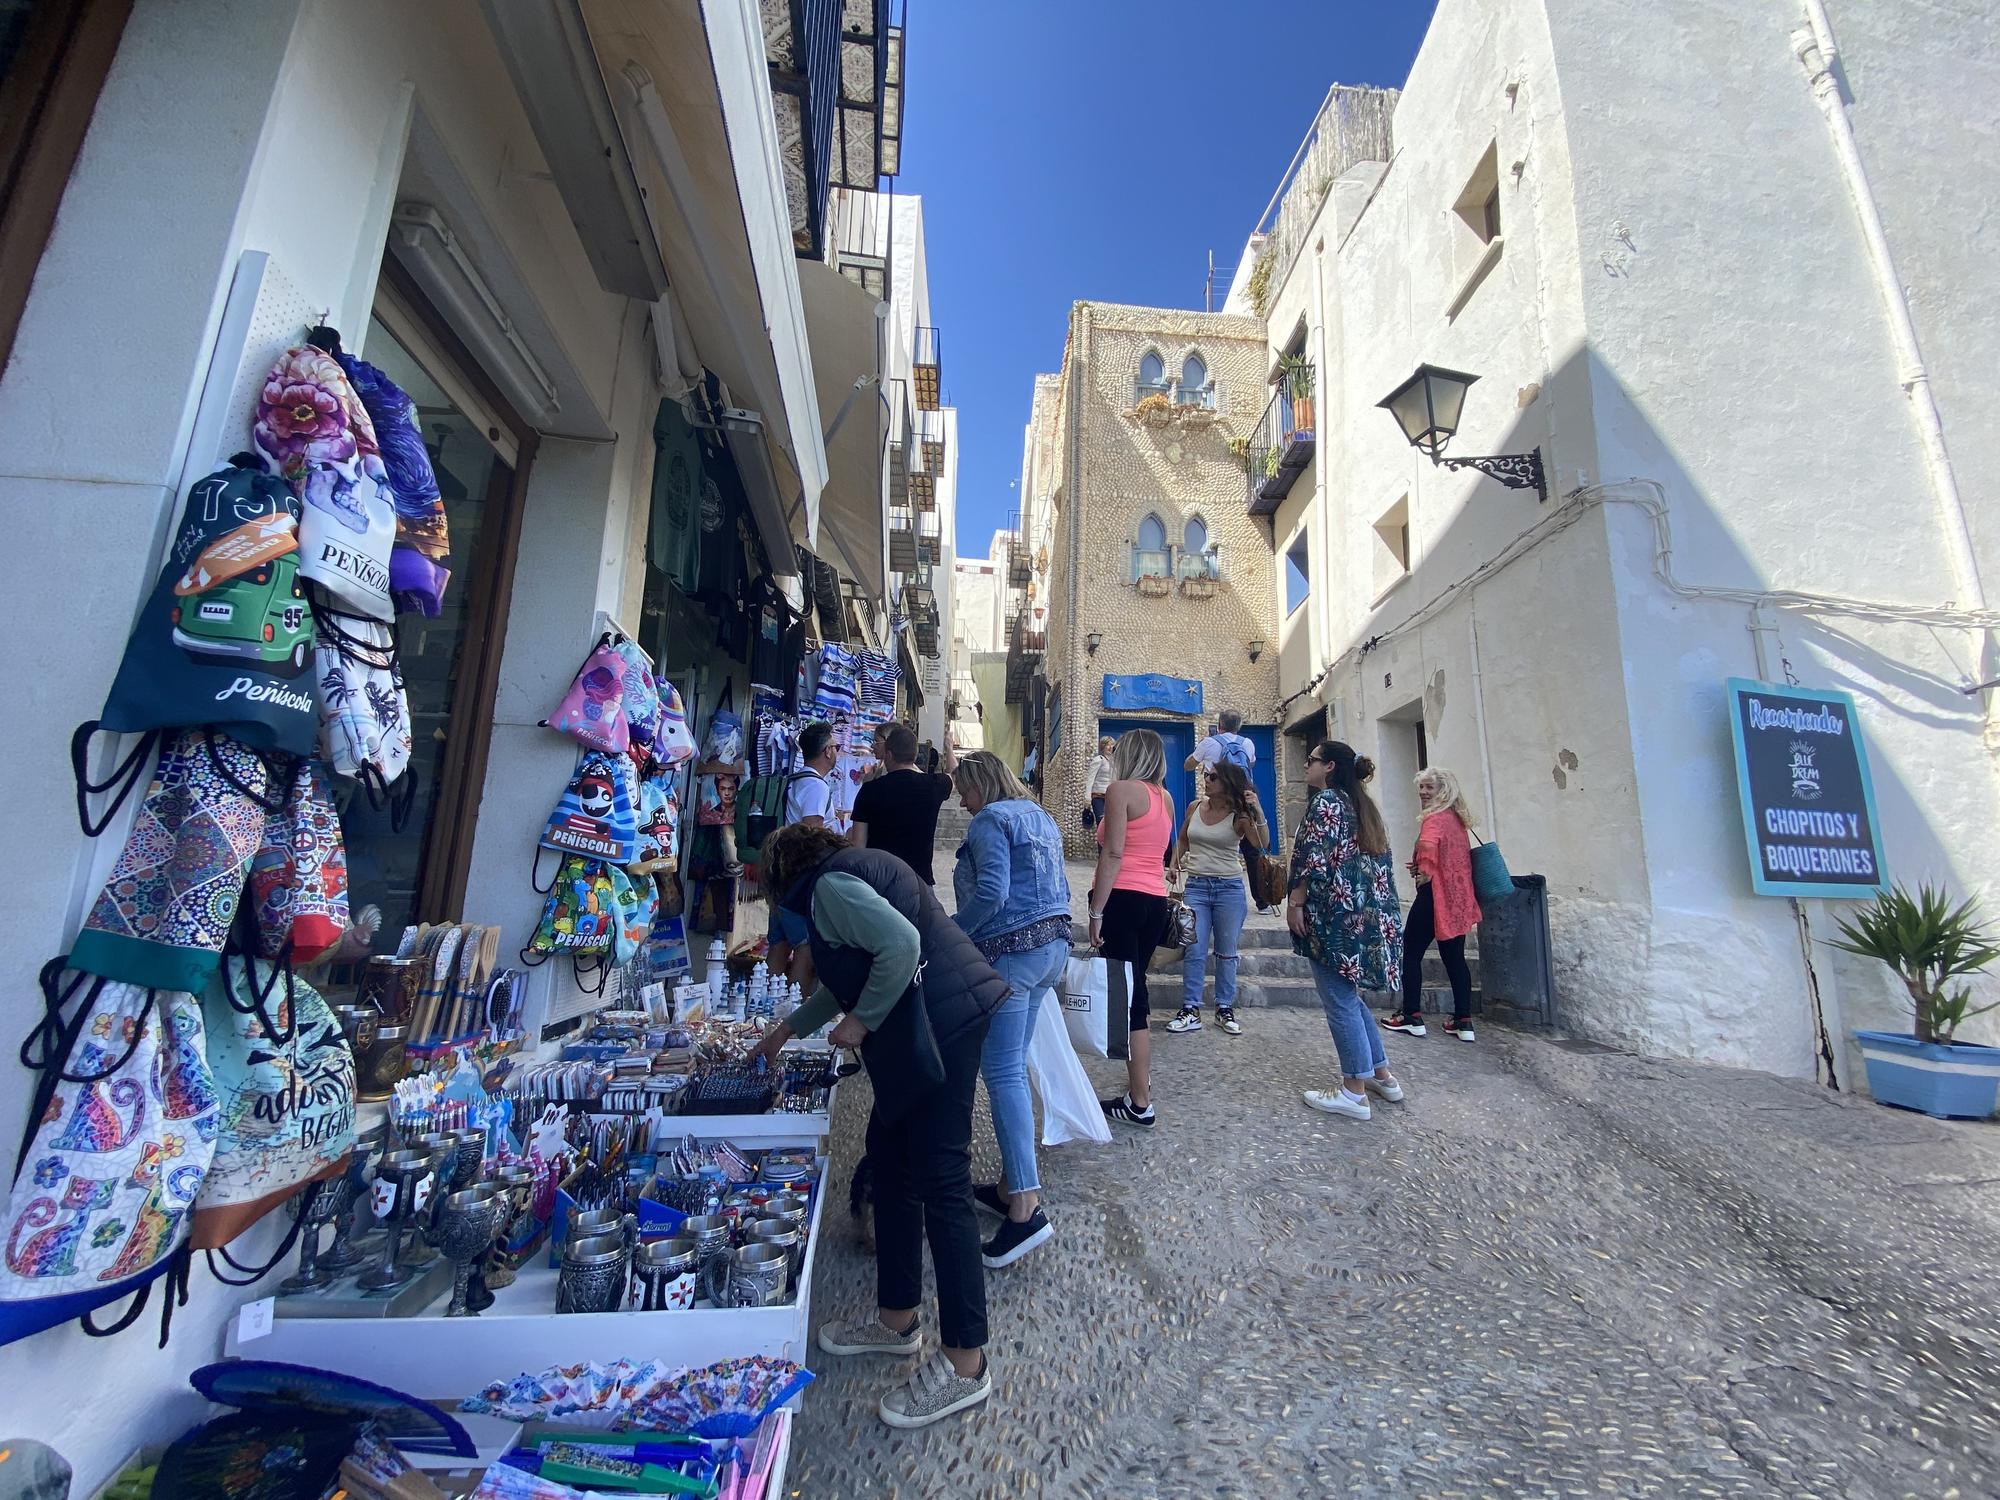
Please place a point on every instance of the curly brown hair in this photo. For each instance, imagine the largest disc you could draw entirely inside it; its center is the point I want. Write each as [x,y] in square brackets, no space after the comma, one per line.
[794,852]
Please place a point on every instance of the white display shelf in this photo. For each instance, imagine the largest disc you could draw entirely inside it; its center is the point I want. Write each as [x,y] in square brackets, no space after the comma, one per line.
[453,1357]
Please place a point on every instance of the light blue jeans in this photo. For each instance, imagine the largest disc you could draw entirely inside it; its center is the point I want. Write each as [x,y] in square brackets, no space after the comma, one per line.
[1355,1035]
[1003,1062]
[1219,904]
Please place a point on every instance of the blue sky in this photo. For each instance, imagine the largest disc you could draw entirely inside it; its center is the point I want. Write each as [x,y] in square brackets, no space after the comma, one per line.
[1099,149]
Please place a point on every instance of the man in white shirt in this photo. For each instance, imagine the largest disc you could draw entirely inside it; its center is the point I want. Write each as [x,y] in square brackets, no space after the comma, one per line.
[810,790]
[1229,744]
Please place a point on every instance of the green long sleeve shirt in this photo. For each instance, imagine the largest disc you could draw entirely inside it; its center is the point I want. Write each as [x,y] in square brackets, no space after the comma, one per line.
[850,912]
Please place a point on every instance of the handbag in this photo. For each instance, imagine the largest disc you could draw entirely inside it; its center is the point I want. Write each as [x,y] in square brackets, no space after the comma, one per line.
[1268,880]
[902,1054]
[1180,933]
[1491,881]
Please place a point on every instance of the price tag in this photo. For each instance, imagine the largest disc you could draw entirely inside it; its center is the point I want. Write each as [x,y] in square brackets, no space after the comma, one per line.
[254,1321]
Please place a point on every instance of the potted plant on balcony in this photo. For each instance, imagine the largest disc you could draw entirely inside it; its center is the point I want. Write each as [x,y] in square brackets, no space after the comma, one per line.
[1298,377]
[1928,943]
[1154,410]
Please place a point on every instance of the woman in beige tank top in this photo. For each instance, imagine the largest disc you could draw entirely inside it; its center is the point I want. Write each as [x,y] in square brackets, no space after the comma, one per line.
[1208,854]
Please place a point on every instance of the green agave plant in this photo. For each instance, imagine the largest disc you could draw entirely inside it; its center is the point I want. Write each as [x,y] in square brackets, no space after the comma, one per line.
[1928,942]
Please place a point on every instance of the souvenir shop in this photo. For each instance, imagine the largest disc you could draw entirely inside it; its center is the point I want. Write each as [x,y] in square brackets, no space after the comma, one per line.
[391,1129]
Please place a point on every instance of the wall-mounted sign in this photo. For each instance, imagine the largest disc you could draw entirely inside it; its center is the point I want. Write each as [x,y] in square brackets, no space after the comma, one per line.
[1174,695]
[1808,803]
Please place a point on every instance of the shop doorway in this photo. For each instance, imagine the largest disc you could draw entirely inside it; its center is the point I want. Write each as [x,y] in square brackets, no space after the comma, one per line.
[481,452]
[1401,750]
[1178,737]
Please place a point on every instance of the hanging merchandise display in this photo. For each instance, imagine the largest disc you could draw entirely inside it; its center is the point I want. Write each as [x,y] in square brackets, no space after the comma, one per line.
[593,710]
[126,1119]
[659,829]
[284,1079]
[225,638]
[673,744]
[163,916]
[315,434]
[420,562]
[596,814]
[673,539]
[298,877]
[579,915]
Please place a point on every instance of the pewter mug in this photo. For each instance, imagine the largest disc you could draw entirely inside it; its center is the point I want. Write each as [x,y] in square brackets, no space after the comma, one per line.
[751,1276]
[664,1274]
[592,1278]
[784,1234]
[595,1221]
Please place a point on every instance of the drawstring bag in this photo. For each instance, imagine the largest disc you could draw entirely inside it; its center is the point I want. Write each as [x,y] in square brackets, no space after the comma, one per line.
[284,1082]
[315,435]
[659,830]
[637,901]
[724,741]
[420,562]
[641,695]
[225,638]
[123,1126]
[364,711]
[579,915]
[163,916]
[298,878]
[596,814]
[593,710]
[673,745]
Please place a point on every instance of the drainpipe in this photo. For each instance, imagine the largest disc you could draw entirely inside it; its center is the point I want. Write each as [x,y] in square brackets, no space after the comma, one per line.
[1479,713]
[1819,56]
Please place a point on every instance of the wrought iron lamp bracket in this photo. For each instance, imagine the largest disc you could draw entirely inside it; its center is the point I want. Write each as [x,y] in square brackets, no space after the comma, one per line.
[1518,471]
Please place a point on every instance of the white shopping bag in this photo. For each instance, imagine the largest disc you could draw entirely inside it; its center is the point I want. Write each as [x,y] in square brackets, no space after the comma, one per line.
[1097,1006]
[1070,1111]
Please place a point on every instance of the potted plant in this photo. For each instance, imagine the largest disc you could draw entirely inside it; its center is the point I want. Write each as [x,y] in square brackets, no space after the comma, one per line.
[1928,943]
[1154,410]
[1298,376]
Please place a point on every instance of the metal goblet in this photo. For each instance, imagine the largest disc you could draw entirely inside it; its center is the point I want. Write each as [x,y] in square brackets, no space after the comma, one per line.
[471,1155]
[517,1187]
[442,1150]
[402,1189]
[345,1253]
[315,1205]
[464,1231]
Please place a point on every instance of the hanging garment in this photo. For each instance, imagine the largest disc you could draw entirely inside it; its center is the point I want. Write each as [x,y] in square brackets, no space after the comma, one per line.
[420,562]
[127,1115]
[673,539]
[284,1081]
[163,916]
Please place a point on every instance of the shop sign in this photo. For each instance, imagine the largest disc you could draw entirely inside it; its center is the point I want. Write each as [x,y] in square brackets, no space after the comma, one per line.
[1808,803]
[1174,695]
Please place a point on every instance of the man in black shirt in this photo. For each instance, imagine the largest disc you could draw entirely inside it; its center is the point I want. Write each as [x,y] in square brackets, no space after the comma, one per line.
[897,812]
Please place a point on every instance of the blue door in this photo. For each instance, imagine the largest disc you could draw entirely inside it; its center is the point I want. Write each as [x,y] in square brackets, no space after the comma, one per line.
[1178,737]
[1264,775]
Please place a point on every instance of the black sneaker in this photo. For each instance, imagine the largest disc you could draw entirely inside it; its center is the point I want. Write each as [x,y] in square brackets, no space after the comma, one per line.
[1121,1109]
[1409,1025]
[989,1197]
[1016,1239]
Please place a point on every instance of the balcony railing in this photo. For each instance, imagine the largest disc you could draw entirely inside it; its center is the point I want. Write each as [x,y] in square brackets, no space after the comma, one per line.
[927,370]
[1282,444]
[902,543]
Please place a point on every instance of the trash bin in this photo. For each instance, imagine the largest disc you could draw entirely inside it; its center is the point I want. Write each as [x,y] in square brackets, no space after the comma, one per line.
[1516,970]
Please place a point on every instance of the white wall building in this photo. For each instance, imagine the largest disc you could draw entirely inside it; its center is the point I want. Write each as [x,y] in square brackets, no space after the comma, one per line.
[1644,234]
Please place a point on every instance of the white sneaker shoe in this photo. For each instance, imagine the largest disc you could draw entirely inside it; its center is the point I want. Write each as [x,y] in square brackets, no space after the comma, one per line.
[1386,1089]
[1338,1102]
[1188,1020]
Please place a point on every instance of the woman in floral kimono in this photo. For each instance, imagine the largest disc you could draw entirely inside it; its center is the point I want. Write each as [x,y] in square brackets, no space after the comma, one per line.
[1344,915]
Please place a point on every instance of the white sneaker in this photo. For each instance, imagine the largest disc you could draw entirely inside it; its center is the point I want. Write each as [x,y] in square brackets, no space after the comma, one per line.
[1338,1102]
[1188,1020]
[1386,1089]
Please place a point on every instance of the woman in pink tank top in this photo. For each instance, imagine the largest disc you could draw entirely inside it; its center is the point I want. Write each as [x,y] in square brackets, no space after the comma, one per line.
[1128,897]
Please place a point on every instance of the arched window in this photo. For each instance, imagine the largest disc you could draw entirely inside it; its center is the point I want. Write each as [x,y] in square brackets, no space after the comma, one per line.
[1152,375]
[1194,389]
[1194,536]
[1152,535]
[1150,558]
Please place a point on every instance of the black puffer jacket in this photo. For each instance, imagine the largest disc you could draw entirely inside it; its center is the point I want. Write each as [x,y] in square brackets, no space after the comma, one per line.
[961,989]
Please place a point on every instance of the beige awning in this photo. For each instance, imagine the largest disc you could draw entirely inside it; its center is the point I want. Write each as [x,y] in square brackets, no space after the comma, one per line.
[843,331]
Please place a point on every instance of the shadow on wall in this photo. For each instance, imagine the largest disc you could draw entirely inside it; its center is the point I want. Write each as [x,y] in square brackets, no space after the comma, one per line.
[1606,737]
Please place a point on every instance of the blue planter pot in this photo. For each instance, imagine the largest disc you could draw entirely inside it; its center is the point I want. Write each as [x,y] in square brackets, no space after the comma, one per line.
[1951,1081]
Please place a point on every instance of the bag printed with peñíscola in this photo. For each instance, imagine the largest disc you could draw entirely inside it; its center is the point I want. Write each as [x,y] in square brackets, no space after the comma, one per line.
[579,917]
[596,815]
[593,710]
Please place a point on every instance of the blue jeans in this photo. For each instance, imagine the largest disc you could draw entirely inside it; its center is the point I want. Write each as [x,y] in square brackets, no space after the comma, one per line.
[1219,904]
[1003,1061]
[1355,1035]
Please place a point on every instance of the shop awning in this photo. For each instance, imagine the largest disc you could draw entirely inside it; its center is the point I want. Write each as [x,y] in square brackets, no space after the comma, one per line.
[694,99]
[853,525]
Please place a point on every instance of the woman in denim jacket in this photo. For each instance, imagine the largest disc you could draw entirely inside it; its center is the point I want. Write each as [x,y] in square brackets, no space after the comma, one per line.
[1013,902]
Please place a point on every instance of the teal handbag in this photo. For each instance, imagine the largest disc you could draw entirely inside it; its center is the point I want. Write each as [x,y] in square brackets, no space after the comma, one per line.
[1491,881]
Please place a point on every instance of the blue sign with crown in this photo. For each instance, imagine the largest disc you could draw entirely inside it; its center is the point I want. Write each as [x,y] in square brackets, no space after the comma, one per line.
[1174,695]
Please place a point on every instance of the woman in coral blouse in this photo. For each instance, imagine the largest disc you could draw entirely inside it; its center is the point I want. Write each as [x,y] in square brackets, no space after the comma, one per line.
[1445,909]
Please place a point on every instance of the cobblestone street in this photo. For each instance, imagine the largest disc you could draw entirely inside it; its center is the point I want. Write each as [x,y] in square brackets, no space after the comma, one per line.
[1554,1270]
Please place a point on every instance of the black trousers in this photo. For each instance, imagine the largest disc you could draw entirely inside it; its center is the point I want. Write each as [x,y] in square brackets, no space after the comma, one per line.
[1134,924]
[923,1186]
[1419,931]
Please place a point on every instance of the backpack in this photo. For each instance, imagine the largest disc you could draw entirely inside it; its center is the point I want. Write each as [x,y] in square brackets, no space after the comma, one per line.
[1237,751]
[597,814]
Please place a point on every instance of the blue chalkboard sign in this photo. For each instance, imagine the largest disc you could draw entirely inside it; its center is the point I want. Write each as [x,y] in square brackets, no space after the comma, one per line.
[1808,802]
[1174,695]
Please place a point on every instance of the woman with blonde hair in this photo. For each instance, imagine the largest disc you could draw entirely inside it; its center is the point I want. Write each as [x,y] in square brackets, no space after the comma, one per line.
[1343,914]
[1128,896]
[1013,902]
[1209,854]
[1446,908]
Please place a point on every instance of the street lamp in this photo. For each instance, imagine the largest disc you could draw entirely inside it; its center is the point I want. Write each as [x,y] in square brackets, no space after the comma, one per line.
[1256,650]
[1427,407]
[1092,641]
